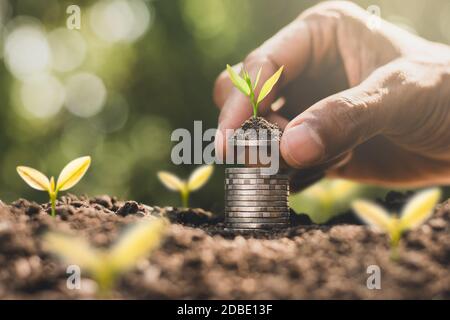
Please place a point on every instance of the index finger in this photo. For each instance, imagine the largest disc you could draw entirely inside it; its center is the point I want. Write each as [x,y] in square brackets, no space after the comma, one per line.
[289,47]
[304,43]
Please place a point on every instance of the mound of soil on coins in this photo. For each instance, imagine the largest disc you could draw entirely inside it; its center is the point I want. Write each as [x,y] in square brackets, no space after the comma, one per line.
[199,260]
[255,128]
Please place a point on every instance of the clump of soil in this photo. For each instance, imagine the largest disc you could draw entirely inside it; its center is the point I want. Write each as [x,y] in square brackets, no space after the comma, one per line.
[199,260]
[255,128]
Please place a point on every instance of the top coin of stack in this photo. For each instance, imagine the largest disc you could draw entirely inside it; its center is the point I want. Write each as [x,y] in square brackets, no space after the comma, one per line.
[255,200]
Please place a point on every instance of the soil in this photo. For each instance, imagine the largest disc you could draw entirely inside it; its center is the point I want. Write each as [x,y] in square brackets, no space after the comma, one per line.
[254,128]
[199,260]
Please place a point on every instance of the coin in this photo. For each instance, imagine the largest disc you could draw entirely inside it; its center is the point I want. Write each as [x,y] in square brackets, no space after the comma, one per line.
[256,220]
[284,214]
[247,170]
[257,181]
[256,176]
[256,187]
[256,209]
[231,197]
[255,200]
[261,214]
[274,193]
[257,225]
[250,231]
[257,203]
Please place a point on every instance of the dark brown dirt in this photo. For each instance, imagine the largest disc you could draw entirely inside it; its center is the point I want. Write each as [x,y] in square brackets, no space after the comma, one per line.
[199,260]
[254,128]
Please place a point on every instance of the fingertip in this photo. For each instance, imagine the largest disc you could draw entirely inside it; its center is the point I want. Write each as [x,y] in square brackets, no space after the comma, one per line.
[223,86]
[234,112]
[219,145]
[301,146]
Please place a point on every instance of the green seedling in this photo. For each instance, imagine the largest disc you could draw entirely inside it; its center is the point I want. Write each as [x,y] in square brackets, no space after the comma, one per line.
[106,265]
[69,176]
[245,85]
[197,179]
[326,199]
[414,213]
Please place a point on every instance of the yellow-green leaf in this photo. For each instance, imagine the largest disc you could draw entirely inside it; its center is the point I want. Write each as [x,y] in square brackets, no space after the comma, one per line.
[373,215]
[419,208]
[172,182]
[72,173]
[34,178]
[136,243]
[257,78]
[73,250]
[199,177]
[238,81]
[269,84]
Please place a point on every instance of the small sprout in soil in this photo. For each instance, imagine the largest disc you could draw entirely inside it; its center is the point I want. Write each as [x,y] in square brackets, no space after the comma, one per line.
[245,85]
[197,179]
[69,176]
[414,213]
[106,265]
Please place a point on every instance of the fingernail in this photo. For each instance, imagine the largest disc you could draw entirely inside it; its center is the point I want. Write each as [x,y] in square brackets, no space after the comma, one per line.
[303,145]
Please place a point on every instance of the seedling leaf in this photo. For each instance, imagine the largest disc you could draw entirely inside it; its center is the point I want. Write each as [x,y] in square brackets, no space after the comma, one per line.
[247,79]
[34,178]
[414,213]
[171,181]
[238,82]
[373,214]
[69,176]
[419,208]
[73,250]
[269,84]
[199,177]
[106,265]
[257,78]
[136,243]
[72,173]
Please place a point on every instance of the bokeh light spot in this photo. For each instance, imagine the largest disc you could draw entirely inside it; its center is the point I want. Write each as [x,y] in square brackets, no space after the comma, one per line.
[42,96]
[26,51]
[68,49]
[119,20]
[113,116]
[85,94]
[207,18]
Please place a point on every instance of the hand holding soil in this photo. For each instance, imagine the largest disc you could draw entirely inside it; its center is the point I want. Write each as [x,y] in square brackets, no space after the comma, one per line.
[366,104]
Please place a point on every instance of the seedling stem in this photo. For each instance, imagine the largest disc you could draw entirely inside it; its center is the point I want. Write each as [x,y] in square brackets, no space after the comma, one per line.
[196,180]
[254,103]
[185,197]
[418,209]
[106,265]
[69,176]
[53,203]
[244,84]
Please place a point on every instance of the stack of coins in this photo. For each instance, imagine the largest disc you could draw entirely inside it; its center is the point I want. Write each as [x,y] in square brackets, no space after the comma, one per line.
[255,201]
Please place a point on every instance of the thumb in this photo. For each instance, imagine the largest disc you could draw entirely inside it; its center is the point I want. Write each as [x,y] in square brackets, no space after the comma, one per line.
[337,124]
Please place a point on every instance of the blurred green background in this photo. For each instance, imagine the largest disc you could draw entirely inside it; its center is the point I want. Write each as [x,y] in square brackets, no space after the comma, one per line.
[135,71]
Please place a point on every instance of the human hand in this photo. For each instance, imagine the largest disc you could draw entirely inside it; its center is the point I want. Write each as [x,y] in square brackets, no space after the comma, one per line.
[362,104]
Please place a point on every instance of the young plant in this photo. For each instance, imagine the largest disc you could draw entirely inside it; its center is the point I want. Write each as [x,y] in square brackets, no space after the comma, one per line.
[245,85]
[106,265]
[414,213]
[197,179]
[69,176]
